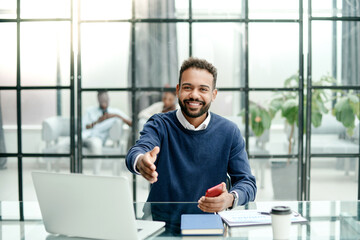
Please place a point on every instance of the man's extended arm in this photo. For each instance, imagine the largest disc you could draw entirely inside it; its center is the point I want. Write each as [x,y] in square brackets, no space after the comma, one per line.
[149,139]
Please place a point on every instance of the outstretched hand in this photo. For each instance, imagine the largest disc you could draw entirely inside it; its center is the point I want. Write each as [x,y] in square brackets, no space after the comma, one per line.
[216,204]
[146,166]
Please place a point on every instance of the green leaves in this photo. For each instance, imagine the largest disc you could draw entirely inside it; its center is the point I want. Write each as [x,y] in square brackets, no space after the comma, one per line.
[289,111]
[292,81]
[355,104]
[316,118]
[275,106]
[259,119]
[318,108]
[345,110]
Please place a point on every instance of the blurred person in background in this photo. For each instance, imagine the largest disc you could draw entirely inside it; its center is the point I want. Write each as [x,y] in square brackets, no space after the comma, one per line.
[167,104]
[96,124]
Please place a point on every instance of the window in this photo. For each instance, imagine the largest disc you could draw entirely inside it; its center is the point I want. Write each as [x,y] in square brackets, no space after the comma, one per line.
[273,59]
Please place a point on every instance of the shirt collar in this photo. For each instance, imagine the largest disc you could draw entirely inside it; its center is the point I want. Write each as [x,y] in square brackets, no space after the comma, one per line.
[185,123]
[102,110]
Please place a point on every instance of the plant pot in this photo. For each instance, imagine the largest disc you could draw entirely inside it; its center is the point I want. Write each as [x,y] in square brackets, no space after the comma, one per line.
[284,176]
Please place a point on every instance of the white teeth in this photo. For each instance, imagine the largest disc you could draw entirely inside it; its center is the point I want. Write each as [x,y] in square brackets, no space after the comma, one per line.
[194,104]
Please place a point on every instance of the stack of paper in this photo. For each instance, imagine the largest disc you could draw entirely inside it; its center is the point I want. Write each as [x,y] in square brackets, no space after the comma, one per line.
[236,218]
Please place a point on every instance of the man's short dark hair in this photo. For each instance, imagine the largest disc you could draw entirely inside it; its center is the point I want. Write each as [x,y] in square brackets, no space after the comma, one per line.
[101,92]
[198,64]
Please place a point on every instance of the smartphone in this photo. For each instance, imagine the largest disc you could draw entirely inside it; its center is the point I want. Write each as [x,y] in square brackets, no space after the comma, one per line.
[214,191]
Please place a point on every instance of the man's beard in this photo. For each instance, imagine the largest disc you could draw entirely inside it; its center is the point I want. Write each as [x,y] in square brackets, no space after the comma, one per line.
[203,109]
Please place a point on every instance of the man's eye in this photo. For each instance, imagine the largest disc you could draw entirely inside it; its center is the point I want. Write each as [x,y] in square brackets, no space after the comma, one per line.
[204,89]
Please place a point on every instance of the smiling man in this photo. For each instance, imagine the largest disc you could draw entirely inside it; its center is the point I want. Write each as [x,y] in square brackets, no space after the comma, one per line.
[186,151]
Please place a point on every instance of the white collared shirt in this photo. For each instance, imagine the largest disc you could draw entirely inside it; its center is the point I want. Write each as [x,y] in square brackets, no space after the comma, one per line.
[185,123]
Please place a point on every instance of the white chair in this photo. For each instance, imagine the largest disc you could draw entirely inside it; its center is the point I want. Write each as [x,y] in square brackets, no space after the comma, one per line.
[56,135]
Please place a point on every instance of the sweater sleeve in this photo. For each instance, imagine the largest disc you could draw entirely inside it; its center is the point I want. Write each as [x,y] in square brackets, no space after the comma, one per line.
[150,137]
[243,182]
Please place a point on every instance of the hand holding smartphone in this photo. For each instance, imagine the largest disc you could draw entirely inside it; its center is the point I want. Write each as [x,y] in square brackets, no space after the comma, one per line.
[214,191]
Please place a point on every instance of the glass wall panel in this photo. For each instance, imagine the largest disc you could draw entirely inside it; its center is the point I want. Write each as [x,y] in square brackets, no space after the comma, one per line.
[276,179]
[323,49]
[335,51]
[107,10]
[8,54]
[106,167]
[106,133]
[182,32]
[230,104]
[111,167]
[271,132]
[284,177]
[278,9]
[161,9]
[218,9]
[339,126]
[59,165]
[45,53]
[45,8]
[8,122]
[160,50]
[9,179]
[105,49]
[330,8]
[160,47]
[271,47]
[9,230]
[8,9]
[334,179]
[45,126]
[209,41]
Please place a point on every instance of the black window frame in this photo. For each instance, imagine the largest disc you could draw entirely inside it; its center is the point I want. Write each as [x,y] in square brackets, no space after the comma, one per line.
[304,156]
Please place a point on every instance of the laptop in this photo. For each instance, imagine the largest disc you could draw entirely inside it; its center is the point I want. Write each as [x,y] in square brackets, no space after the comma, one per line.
[99,207]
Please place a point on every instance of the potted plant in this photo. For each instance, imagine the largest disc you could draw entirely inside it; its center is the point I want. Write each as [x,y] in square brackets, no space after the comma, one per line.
[346,109]
[284,172]
[287,104]
[259,122]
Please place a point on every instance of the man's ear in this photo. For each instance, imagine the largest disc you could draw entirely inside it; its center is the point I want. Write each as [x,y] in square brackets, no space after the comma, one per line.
[177,90]
[214,94]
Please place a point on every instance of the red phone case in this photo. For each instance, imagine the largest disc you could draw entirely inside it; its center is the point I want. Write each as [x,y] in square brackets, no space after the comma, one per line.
[214,191]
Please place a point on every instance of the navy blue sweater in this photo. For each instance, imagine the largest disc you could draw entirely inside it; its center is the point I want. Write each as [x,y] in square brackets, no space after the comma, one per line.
[190,162]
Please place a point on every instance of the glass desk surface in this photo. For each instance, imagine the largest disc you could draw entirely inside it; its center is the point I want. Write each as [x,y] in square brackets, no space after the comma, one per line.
[326,220]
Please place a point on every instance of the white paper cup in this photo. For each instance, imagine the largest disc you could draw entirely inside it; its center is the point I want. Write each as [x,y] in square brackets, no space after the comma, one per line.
[281,222]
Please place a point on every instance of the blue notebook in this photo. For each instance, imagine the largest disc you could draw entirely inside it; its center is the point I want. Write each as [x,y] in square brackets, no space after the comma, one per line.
[201,224]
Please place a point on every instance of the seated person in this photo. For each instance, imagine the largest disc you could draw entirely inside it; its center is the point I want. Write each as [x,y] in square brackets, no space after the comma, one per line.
[96,124]
[167,104]
[184,152]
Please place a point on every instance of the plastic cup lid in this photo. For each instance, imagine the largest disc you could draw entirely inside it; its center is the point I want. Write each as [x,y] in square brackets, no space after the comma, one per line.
[280,210]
